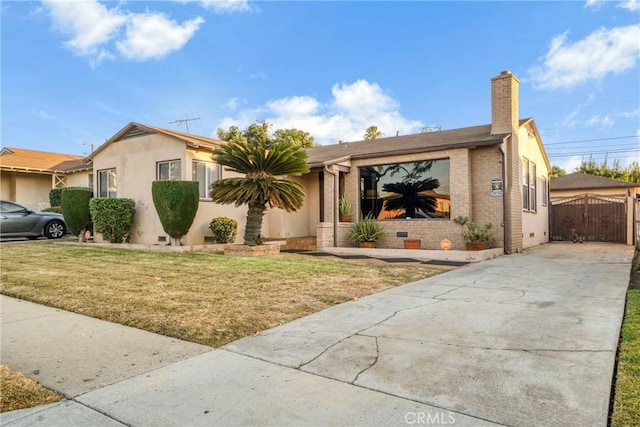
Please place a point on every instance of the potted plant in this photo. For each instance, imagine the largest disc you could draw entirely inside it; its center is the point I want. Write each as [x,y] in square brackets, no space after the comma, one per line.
[412,243]
[366,232]
[344,208]
[477,238]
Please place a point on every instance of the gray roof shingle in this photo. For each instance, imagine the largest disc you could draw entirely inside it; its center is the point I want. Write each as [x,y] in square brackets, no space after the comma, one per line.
[582,181]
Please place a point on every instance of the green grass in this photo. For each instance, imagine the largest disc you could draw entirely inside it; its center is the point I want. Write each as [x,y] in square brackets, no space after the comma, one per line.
[201,297]
[626,412]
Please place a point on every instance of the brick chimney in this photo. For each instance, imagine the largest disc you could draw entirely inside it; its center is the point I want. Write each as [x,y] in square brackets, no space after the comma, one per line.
[504,103]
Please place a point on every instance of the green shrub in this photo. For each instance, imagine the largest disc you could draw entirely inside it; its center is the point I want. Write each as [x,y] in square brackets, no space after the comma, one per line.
[75,206]
[113,217]
[177,204]
[56,209]
[366,230]
[55,195]
[224,229]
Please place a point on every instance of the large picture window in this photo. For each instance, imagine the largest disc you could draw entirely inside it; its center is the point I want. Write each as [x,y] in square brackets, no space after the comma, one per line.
[206,173]
[406,190]
[169,170]
[107,183]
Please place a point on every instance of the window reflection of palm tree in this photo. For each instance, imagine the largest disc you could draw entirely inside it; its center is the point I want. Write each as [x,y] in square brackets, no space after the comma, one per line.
[410,197]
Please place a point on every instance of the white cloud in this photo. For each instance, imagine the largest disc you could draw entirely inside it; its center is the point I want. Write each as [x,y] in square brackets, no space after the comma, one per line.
[602,52]
[90,23]
[600,122]
[45,115]
[630,5]
[92,27]
[153,35]
[222,6]
[232,103]
[594,4]
[352,109]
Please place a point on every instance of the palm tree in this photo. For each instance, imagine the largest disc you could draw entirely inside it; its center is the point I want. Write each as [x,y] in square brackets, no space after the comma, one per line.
[260,186]
[372,132]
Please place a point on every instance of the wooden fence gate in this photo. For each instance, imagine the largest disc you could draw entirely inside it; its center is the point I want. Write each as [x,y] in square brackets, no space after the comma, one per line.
[590,218]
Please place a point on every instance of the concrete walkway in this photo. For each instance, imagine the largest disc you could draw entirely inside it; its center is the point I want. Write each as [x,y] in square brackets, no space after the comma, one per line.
[527,339]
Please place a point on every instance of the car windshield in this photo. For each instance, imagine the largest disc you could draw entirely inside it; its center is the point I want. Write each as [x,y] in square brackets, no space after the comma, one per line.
[8,207]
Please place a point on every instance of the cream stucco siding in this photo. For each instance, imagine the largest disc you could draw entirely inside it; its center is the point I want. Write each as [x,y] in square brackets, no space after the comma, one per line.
[135,161]
[281,224]
[79,179]
[28,189]
[535,223]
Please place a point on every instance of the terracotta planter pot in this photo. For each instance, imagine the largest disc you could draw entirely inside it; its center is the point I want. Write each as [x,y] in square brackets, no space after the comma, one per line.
[369,245]
[345,218]
[412,243]
[478,246]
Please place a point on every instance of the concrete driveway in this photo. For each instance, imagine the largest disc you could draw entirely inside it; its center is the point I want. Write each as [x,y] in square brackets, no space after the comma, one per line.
[526,340]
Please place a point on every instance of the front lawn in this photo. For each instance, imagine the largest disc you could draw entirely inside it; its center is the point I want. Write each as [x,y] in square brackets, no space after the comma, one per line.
[201,297]
[19,392]
[626,409]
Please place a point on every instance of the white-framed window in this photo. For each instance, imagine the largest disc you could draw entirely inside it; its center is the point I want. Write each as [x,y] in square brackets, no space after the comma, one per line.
[205,173]
[168,170]
[107,183]
[529,199]
[533,200]
[90,181]
[545,195]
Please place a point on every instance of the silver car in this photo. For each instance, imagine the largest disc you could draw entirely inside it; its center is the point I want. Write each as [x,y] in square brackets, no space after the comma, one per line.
[18,221]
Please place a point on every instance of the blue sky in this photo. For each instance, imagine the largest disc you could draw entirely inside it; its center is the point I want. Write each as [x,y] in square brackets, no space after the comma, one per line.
[76,72]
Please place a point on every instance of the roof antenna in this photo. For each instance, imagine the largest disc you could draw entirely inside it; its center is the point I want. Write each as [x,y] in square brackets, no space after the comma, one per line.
[185,121]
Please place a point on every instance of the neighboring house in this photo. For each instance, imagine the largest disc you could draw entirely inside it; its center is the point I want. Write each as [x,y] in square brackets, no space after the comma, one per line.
[27,176]
[593,208]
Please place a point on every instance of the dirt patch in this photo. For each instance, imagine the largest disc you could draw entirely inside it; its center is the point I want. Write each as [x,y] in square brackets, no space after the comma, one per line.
[634,283]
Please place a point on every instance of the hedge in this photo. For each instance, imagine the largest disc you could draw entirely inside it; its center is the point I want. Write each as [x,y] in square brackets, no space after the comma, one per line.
[55,209]
[55,195]
[113,217]
[75,207]
[177,204]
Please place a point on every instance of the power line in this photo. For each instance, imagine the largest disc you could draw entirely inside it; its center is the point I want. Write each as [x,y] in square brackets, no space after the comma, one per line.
[591,140]
[583,153]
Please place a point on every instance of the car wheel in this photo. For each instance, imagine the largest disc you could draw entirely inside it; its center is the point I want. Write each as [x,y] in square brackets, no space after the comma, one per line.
[54,230]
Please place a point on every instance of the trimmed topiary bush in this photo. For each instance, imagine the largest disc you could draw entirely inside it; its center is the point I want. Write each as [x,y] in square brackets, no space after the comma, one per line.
[75,207]
[55,195]
[113,217]
[224,229]
[177,204]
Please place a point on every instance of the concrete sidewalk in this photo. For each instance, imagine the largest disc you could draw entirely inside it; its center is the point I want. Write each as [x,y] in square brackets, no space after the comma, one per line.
[526,339]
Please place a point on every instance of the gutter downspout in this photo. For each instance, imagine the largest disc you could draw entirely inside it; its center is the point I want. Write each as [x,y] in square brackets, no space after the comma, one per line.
[505,224]
[336,198]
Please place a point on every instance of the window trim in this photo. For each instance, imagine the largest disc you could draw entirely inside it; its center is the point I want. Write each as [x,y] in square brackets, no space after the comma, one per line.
[115,185]
[529,186]
[168,162]
[207,183]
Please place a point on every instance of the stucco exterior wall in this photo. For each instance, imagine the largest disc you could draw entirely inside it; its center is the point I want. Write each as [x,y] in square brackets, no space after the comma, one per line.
[535,225]
[135,161]
[79,179]
[8,186]
[27,189]
[281,224]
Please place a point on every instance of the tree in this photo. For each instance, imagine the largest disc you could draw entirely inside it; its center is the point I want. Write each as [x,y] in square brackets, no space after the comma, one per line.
[557,172]
[295,137]
[261,159]
[631,173]
[176,203]
[372,132]
[259,131]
